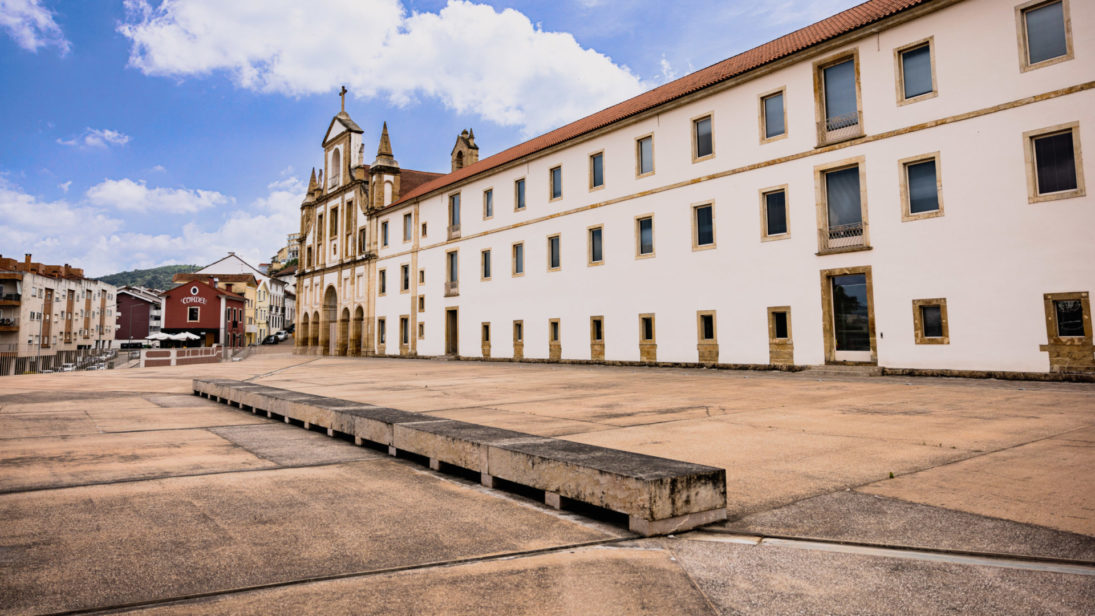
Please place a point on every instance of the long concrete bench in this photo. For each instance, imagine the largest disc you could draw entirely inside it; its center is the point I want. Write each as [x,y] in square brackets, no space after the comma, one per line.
[658,495]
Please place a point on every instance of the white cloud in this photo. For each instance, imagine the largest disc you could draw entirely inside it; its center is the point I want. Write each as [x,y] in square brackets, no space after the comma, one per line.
[64,186]
[127,195]
[473,59]
[87,236]
[96,138]
[159,169]
[32,25]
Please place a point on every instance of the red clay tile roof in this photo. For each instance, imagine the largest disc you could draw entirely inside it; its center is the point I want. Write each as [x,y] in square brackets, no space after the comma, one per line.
[184,278]
[841,23]
[411,179]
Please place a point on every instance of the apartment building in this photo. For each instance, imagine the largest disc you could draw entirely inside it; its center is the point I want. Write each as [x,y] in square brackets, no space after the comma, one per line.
[900,185]
[50,314]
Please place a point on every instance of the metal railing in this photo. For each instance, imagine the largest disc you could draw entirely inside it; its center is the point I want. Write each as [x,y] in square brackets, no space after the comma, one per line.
[839,237]
[841,127]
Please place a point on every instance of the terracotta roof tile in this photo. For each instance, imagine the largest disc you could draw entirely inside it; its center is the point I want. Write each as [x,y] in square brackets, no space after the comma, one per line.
[841,23]
[411,179]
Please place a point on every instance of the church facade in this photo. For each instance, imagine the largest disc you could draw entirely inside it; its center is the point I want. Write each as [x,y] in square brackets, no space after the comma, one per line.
[900,185]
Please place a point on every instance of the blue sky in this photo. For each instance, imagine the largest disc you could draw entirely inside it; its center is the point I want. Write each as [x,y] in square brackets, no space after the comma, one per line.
[138,133]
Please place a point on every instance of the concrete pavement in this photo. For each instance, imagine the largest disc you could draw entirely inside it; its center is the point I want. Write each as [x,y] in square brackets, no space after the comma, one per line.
[119,490]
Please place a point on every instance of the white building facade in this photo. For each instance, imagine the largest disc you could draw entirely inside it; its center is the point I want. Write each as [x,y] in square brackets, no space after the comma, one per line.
[901,186]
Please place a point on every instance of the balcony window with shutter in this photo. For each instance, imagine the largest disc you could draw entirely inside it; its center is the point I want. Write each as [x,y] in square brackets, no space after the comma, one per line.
[837,85]
[842,216]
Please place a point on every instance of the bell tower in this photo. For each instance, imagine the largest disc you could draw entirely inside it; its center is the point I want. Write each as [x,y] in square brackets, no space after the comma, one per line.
[465,152]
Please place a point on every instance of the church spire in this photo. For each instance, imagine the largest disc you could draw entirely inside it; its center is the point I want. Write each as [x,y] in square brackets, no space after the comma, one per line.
[312,181]
[385,148]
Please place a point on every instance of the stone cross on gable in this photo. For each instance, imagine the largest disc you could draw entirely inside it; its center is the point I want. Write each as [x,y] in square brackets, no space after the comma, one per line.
[342,95]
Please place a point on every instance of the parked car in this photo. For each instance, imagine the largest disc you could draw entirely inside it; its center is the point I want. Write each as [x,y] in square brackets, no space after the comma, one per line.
[282,335]
[271,339]
[68,367]
[292,328]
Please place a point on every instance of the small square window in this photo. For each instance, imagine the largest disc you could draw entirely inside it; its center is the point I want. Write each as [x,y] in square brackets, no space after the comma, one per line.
[597,170]
[703,145]
[644,155]
[930,321]
[556,183]
[915,69]
[773,209]
[193,313]
[1055,171]
[773,116]
[1045,33]
[921,194]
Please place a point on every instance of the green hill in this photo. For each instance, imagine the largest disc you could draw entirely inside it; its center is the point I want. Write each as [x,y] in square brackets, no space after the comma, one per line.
[154,278]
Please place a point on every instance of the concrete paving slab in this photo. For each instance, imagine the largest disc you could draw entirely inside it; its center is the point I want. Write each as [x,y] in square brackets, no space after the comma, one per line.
[533,423]
[866,518]
[287,445]
[36,464]
[55,423]
[775,580]
[590,581]
[157,418]
[110,545]
[1050,482]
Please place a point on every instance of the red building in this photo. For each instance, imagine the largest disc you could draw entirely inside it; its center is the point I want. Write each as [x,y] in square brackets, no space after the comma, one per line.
[138,314]
[198,307]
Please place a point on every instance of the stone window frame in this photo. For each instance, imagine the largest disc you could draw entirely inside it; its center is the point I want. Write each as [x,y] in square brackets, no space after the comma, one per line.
[763,118]
[821,199]
[819,94]
[1021,35]
[423,230]
[408,229]
[452,286]
[604,179]
[764,192]
[899,71]
[384,234]
[517,206]
[714,327]
[903,182]
[638,237]
[696,246]
[551,183]
[593,329]
[421,330]
[1033,196]
[653,329]
[547,260]
[513,259]
[381,331]
[555,331]
[484,332]
[1051,317]
[484,260]
[589,245]
[693,123]
[422,276]
[422,303]
[488,191]
[827,310]
[382,281]
[638,156]
[405,278]
[404,332]
[918,321]
[772,339]
[451,200]
[519,331]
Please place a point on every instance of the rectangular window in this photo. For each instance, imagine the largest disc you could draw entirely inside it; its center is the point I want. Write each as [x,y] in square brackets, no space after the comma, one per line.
[408,227]
[703,226]
[773,204]
[644,232]
[193,313]
[597,170]
[423,229]
[334,222]
[556,182]
[404,278]
[421,331]
[930,321]
[773,118]
[384,233]
[519,194]
[842,215]
[703,145]
[554,258]
[422,303]
[646,327]
[453,267]
[1045,33]
[597,329]
[1070,317]
[780,328]
[518,259]
[484,264]
[486,332]
[553,330]
[518,331]
[1056,171]
[381,331]
[596,245]
[421,276]
[404,330]
[920,187]
[454,210]
[644,155]
[488,203]
[838,97]
[915,72]
[706,326]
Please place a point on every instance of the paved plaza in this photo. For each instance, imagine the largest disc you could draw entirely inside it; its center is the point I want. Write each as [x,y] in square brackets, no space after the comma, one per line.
[121,491]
